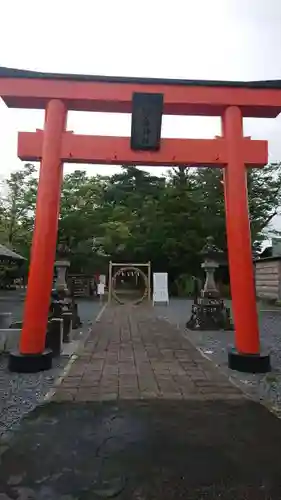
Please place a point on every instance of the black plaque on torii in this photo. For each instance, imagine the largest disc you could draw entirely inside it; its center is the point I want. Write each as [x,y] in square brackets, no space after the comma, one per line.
[147,110]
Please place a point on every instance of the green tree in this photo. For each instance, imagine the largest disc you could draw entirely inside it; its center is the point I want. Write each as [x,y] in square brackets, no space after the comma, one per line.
[264,197]
[135,216]
[81,217]
[17,208]
[125,213]
[264,187]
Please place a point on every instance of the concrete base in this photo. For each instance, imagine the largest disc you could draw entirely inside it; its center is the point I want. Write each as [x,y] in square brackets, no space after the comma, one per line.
[249,363]
[5,319]
[9,339]
[30,363]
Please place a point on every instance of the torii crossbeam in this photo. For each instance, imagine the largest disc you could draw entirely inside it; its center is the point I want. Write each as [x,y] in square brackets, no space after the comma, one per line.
[95,150]
[55,145]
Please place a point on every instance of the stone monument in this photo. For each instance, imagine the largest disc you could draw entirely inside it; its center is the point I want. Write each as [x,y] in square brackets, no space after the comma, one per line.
[208,310]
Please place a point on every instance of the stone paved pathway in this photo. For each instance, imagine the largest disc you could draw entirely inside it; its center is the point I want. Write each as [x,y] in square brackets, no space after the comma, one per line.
[173,426]
[133,354]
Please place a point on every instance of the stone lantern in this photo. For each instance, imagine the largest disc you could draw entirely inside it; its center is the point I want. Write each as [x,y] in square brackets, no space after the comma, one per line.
[208,310]
[62,302]
[62,265]
[211,255]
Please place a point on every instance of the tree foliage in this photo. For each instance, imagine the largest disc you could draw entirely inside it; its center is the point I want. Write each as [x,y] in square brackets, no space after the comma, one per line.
[135,217]
[17,206]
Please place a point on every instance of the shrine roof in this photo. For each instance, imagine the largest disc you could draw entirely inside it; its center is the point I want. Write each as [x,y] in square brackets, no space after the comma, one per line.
[22,73]
[32,89]
[6,253]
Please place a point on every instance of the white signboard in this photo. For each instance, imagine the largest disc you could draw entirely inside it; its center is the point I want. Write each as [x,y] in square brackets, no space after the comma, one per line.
[102,279]
[100,289]
[160,288]
[276,247]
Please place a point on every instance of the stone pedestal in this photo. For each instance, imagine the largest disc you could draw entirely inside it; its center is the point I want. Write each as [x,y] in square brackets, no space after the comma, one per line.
[209,314]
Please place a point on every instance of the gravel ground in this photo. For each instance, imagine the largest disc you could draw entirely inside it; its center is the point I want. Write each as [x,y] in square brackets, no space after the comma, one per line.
[215,345]
[20,393]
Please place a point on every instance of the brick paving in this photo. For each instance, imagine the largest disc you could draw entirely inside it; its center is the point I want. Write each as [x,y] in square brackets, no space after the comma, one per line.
[261,387]
[133,354]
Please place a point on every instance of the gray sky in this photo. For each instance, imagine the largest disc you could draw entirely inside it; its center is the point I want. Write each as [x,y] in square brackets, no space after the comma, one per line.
[203,39]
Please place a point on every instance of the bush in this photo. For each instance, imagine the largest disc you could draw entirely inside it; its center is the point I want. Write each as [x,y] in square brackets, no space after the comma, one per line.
[224,291]
[184,285]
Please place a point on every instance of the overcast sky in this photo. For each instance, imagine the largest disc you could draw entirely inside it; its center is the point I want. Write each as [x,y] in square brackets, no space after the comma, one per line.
[202,39]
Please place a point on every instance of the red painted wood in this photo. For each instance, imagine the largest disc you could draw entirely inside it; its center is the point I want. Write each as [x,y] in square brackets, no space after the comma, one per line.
[40,280]
[239,238]
[117,151]
[117,97]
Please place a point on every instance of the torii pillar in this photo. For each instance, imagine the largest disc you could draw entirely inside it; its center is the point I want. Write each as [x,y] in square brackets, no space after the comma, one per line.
[32,355]
[246,356]
[233,152]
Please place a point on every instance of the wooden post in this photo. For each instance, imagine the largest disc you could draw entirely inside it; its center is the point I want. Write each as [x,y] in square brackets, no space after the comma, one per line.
[32,355]
[110,282]
[149,281]
[239,238]
[247,356]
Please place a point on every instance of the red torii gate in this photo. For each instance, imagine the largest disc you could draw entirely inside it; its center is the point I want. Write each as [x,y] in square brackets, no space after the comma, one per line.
[59,93]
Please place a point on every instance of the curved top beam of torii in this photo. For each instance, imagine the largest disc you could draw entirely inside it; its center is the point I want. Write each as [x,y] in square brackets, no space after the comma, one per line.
[30,89]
